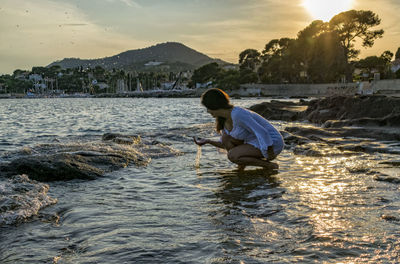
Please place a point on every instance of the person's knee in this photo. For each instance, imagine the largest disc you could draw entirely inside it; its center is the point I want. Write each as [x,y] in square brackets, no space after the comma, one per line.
[233,157]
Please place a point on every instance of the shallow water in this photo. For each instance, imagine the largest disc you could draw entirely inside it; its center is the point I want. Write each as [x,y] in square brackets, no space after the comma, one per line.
[195,207]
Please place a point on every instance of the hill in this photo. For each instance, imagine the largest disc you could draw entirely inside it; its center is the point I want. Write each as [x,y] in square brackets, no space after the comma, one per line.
[170,56]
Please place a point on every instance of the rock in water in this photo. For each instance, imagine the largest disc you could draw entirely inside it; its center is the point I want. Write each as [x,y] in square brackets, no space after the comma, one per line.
[58,167]
[277,110]
[355,110]
[89,160]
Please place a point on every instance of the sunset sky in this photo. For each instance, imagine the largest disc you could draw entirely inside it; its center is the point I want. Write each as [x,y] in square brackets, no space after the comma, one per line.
[38,32]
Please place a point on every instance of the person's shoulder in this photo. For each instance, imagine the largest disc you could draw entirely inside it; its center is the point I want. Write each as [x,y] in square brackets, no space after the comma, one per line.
[238,112]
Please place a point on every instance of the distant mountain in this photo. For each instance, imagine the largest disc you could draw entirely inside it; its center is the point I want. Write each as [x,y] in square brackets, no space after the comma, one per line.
[170,56]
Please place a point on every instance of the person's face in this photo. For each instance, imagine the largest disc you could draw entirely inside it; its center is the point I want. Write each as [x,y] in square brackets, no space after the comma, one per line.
[214,113]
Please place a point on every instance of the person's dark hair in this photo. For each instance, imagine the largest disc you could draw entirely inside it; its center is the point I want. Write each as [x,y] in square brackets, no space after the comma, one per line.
[215,99]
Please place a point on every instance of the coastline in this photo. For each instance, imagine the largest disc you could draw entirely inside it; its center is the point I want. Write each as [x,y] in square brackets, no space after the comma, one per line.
[390,88]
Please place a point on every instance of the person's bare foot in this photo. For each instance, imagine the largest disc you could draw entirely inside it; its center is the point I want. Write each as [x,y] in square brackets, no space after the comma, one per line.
[241,168]
[271,166]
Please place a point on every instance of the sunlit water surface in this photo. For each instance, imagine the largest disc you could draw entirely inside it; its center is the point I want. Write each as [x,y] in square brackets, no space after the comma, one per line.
[194,208]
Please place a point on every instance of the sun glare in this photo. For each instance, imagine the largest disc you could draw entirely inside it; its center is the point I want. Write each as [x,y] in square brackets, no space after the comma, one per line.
[326,9]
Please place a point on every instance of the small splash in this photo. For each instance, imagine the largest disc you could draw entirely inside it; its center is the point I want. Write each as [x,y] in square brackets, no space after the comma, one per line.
[198,157]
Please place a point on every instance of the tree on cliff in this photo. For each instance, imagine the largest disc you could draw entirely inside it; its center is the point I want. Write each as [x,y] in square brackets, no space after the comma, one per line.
[352,25]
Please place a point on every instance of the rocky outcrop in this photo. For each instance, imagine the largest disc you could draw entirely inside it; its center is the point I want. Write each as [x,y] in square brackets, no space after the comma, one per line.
[54,167]
[337,111]
[89,160]
[279,110]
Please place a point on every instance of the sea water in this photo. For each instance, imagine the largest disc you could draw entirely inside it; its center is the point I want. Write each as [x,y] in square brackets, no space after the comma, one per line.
[189,208]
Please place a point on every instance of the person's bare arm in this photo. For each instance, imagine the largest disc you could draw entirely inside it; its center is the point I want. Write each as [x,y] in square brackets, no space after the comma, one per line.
[203,141]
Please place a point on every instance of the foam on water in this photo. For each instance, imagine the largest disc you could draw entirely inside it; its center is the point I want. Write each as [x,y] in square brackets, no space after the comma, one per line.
[22,198]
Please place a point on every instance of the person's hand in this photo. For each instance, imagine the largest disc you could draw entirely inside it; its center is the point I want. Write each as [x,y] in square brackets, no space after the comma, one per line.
[200,141]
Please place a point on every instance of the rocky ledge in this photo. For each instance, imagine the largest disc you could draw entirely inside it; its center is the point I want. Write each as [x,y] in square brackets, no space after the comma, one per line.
[337,111]
[342,125]
[84,160]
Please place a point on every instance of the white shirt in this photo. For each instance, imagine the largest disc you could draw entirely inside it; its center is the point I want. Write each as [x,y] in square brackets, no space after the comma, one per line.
[254,130]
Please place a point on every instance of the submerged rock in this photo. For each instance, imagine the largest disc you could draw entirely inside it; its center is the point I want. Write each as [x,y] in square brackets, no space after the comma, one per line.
[390,218]
[387,178]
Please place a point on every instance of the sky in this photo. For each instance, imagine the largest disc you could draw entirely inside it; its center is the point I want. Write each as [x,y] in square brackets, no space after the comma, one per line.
[38,32]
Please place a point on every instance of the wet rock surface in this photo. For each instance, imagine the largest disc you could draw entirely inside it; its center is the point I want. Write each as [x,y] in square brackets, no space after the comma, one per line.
[343,126]
[279,110]
[336,111]
[349,124]
[355,110]
[85,160]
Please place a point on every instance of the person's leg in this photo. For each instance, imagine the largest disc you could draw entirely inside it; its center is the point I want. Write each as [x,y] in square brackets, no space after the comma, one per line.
[230,142]
[248,155]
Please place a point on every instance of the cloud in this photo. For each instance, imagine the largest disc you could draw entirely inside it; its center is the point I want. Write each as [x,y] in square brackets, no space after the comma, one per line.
[130,3]
[73,25]
[51,31]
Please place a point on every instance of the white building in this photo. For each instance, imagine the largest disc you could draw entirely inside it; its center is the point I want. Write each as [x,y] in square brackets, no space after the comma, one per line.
[167,85]
[122,86]
[230,67]
[204,85]
[153,63]
[35,78]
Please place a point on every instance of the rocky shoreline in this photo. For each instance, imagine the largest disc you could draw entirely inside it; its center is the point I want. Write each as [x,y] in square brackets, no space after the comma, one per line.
[341,125]
[336,111]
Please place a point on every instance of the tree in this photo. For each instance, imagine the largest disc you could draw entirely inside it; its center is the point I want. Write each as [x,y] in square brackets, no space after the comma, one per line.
[352,25]
[387,56]
[305,42]
[228,80]
[18,72]
[99,72]
[381,64]
[249,59]
[278,63]
[327,59]
[397,56]
[206,73]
